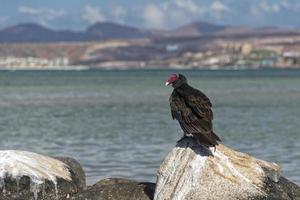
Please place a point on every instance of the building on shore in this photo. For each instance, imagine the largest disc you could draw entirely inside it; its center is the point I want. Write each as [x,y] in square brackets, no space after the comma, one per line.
[32,63]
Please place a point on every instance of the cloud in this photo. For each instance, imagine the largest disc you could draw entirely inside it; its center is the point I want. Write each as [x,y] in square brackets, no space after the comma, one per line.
[92,14]
[285,4]
[265,7]
[42,14]
[119,13]
[153,16]
[187,5]
[171,13]
[217,10]
[218,7]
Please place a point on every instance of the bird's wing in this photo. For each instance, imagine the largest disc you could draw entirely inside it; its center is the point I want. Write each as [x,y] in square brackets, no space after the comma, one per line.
[179,109]
[200,105]
[190,122]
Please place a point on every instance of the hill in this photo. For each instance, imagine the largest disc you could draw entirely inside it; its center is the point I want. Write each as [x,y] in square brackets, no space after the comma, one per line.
[30,32]
[195,29]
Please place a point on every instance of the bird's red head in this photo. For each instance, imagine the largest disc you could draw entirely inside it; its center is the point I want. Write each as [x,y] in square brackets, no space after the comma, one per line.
[172,79]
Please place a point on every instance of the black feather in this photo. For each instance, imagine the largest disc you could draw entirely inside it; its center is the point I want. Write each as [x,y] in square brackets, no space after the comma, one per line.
[192,109]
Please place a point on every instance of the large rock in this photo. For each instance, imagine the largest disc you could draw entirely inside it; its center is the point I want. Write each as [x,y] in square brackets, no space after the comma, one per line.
[192,172]
[26,175]
[77,173]
[118,189]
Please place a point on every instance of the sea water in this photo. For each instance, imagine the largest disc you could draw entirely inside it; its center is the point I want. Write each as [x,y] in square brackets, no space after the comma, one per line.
[118,123]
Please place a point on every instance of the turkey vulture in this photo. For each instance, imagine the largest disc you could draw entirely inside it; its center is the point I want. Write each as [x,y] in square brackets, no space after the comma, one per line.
[193,111]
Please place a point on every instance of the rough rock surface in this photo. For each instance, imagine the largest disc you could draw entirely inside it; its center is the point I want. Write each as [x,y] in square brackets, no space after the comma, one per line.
[118,189]
[77,173]
[192,172]
[26,175]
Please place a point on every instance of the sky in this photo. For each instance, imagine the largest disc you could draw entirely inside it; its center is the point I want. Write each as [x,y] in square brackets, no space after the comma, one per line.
[158,14]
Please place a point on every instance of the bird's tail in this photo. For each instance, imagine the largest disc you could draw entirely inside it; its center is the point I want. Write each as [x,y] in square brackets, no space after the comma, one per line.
[207,141]
[216,137]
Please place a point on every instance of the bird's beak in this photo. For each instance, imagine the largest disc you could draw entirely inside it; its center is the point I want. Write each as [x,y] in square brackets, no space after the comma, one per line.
[167,83]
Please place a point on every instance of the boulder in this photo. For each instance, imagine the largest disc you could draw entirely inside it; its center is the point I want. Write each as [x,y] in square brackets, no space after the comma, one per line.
[31,176]
[193,172]
[77,173]
[117,189]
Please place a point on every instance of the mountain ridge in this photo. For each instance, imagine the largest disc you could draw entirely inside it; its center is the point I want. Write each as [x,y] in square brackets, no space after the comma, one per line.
[32,32]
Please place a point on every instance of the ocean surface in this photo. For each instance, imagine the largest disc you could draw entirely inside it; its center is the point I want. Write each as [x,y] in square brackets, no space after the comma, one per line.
[118,123]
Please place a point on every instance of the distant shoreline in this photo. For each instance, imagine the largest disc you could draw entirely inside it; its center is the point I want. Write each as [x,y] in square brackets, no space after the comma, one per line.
[203,73]
[58,68]
[87,68]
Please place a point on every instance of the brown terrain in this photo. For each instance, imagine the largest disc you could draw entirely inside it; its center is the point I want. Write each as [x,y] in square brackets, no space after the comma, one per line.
[195,45]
